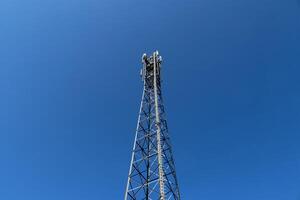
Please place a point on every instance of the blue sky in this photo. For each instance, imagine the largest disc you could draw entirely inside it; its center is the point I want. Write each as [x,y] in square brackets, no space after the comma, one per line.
[70,91]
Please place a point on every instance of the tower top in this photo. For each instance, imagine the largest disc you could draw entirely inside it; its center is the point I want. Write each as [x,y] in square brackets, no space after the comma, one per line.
[148,64]
[145,58]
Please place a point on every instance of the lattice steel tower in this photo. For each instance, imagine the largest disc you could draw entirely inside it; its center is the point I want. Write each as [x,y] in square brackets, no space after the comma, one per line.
[152,173]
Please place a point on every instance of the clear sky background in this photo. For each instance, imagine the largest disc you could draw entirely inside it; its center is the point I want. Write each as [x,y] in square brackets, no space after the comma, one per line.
[70,93]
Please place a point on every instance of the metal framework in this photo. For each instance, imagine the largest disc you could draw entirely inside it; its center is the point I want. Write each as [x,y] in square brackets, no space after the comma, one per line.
[152,174]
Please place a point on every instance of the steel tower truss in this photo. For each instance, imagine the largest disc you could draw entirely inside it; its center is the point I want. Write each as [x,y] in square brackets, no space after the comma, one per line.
[152,173]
